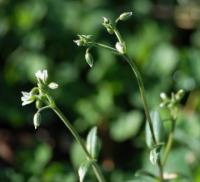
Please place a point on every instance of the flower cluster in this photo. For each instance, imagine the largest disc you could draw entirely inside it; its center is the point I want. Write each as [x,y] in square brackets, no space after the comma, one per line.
[39,94]
[171,102]
[83,40]
[42,77]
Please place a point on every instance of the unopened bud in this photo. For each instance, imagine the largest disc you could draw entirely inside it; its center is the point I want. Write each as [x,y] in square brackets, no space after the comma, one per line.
[125,16]
[107,24]
[53,85]
[35,91]
[121,48]
[105,20]
[79,42]
[38,104]
[179,95]
[37,120]
[163,96]
[89,59]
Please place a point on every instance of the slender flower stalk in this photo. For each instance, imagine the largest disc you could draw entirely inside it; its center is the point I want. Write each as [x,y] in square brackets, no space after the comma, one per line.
[42,97]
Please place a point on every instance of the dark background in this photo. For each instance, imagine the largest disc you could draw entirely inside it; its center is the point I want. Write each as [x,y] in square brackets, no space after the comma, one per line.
[162,36]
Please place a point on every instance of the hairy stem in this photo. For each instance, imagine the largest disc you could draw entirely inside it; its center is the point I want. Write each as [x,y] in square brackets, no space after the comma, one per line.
[73,131]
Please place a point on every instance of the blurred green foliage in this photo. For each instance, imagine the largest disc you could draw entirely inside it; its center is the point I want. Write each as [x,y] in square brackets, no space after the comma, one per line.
[164,39]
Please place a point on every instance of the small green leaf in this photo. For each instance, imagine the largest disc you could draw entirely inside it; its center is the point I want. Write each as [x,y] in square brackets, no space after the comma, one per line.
[155,154]
[157,127]
[91,142]
[83,170]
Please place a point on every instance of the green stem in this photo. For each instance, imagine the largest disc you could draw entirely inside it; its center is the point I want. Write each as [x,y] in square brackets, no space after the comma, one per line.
[169,142]
[160,166]
[118,35]
[142,93]
[141,88]
[146,109]
[43,108]
[104,46]
[73,131]
[140,84]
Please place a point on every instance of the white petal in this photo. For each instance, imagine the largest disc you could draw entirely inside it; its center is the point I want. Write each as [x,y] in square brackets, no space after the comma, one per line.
[42,75]
[27,98]
[26,103]
[38,74]
[45,75]
[25,93]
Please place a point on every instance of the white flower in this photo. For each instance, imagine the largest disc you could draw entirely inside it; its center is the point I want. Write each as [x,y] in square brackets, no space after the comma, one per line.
[42,75]
[27,98]
[53,85]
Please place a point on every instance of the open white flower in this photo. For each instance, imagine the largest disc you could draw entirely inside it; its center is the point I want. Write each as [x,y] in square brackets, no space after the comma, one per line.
[42,75]
[53,85]
[27,98]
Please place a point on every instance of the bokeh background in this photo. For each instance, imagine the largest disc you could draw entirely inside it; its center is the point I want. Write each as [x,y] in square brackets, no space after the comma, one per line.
[163,36]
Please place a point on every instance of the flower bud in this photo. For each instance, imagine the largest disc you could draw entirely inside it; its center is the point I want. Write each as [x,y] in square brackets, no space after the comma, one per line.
[83,40]
[179,95]
[53,85]
[125,16]
[38,104]
[109,30]
[107,24]
[163,96]
[121,48]
[37,120]
[105,20]
[34,91]
[89,58]
[79,42]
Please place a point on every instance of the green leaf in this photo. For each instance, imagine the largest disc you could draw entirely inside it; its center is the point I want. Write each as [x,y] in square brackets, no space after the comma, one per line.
[83,170]
[77,155]
[126,126]
[157,127]
[145,173]
[91,142]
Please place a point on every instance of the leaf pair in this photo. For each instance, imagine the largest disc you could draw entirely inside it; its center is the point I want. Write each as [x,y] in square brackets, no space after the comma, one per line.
[92,147]
[158,129]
